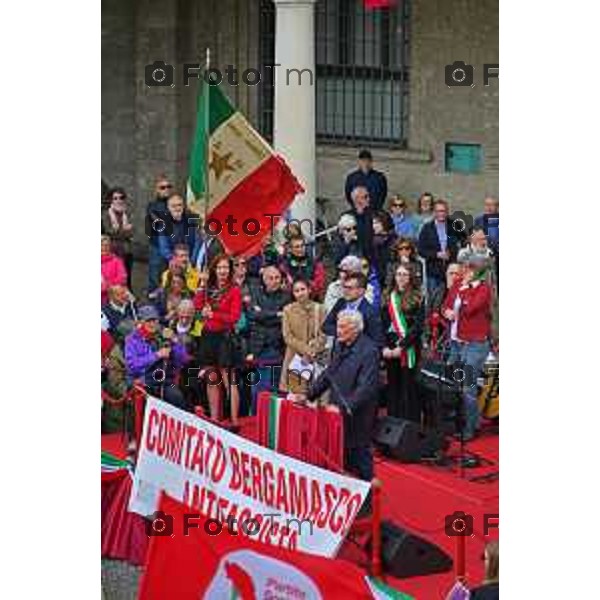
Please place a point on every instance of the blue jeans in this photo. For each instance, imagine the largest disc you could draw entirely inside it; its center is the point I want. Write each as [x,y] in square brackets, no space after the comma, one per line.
[155,268]
[472,354]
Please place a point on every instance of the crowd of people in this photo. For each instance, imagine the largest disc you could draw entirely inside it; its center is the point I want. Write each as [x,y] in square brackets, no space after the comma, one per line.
[213,330]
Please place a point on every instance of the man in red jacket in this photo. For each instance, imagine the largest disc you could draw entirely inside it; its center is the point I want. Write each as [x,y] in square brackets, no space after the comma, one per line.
[468,309]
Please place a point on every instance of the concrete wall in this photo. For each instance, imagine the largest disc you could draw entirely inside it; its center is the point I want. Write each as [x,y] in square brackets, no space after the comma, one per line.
[147,131]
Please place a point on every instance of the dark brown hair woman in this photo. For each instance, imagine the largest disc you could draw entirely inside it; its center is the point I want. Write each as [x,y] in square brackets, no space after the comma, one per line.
[403,318]
[219,305]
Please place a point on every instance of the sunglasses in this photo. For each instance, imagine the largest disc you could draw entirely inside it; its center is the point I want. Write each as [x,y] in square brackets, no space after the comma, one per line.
[398,205]
[167,186]
[405,248]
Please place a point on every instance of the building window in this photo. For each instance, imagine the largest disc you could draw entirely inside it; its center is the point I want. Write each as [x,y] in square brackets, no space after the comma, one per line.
[362,71]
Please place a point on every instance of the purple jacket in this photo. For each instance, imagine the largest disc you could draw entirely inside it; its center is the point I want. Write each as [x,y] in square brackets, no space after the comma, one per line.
[143,363]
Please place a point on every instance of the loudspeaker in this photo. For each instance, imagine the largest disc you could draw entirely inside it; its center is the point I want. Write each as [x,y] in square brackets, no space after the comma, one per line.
[404,440]
[406,555]
[440,398]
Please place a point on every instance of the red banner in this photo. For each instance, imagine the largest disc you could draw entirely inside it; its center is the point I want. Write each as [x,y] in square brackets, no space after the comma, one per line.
[228,566]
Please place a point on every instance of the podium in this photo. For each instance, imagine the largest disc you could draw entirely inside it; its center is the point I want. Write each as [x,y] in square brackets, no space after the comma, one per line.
[312,435]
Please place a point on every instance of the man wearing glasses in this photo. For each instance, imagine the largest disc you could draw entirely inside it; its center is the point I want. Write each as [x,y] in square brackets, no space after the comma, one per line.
[404,224]
[362,212]
[155,214]
[354,288]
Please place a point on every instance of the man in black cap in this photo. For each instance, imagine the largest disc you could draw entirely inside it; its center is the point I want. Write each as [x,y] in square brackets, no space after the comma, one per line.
[367,176]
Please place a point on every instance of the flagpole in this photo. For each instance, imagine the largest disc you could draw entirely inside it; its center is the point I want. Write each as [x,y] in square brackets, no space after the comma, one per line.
[206,158]
[206,135]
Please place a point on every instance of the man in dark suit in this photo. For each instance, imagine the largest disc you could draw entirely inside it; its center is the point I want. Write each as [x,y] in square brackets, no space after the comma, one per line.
[436,246]
[155,215]
[352,379]
[363,216]
[366,176]
[354,287]
[181,229]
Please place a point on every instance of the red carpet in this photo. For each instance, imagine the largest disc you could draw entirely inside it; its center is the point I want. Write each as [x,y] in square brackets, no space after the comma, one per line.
[417,498]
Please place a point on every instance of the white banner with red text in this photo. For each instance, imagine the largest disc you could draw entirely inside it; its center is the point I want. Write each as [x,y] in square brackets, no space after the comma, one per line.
[268,496]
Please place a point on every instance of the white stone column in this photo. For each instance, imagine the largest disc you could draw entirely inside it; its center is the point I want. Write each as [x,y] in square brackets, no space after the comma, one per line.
[294,119]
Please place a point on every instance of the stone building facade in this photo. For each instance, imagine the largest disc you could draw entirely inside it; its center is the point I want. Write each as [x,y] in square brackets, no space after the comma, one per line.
[147,130]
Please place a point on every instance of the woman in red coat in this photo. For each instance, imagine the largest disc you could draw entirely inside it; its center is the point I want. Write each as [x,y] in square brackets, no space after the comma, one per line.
[468,309]
[219,304]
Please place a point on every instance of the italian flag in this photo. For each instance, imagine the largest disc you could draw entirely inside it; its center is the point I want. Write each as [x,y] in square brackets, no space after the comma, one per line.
[234,173]
[381,591]
[274,421]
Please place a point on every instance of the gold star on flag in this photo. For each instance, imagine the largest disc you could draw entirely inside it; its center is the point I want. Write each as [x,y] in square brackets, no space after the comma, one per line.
[220,163]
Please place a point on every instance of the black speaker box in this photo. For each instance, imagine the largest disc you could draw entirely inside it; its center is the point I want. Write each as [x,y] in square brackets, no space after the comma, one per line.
[404,440]
[439,397]
[406,555]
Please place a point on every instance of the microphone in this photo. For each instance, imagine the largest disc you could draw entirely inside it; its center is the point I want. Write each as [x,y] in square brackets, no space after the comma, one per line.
[338,392]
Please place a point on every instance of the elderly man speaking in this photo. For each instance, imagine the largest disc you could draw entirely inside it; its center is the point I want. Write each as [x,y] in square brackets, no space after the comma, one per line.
[352,379]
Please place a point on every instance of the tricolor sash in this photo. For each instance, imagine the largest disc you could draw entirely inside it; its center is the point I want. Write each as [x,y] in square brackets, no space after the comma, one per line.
[408,356]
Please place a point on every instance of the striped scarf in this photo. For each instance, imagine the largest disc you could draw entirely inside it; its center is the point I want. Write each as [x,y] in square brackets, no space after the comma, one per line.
[408,356]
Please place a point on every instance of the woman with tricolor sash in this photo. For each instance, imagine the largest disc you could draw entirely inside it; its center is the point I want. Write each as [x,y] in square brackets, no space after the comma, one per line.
[403,319]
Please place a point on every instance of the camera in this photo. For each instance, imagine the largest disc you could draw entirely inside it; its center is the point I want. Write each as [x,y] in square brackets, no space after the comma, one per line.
[159,74]
[458,524]
[156,225]
[459,225]
[159,524]
[460,373]
[459,74]
[163,375]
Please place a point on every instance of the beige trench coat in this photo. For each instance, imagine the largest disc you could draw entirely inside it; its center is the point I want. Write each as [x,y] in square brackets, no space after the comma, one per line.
[301,326]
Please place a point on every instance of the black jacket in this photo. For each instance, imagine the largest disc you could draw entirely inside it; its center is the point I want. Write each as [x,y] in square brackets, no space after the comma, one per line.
[415,319]
[382,250]
[372,321]
[429,246]
[374,181]
[364,230]
[265,334]
[157,209]
[353,380]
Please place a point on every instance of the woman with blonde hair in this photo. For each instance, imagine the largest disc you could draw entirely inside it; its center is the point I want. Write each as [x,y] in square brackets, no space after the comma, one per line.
[490,589]
[405,224]
[424,212]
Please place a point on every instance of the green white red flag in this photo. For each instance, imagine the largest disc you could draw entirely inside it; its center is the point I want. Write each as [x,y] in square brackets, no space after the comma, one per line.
[234,173]
[226,567]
